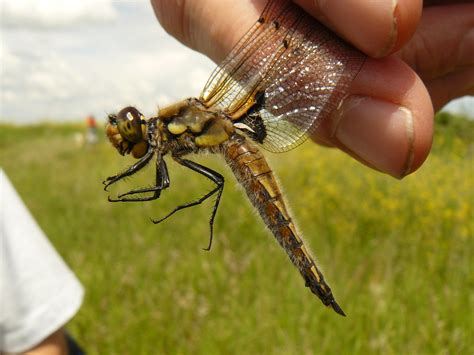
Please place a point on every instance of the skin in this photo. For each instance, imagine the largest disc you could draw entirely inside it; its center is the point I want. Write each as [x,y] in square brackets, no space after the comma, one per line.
[421,56]
[55,344]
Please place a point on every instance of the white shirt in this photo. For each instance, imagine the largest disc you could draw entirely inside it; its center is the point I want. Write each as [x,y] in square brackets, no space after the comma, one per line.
[38,292]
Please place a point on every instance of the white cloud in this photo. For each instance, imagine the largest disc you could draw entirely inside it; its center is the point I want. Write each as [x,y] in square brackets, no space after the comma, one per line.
[37,75]
[461,106]
[46,14]
[148,78]
[70,73]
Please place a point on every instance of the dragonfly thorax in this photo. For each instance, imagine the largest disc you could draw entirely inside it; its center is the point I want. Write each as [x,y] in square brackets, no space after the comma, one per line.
[189,120]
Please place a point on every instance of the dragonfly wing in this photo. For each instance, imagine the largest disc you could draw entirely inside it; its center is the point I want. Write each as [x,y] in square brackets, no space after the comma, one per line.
[232,82]
[306,85]
[283,77]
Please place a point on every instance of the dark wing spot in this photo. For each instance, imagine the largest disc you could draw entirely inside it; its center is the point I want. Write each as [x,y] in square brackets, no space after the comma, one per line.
[256,123]
[253,119]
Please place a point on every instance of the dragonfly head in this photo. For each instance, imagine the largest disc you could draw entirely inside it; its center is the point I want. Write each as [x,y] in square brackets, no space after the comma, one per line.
[127,132]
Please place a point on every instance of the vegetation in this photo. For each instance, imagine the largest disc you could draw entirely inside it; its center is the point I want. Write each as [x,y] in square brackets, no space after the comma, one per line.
[398,254]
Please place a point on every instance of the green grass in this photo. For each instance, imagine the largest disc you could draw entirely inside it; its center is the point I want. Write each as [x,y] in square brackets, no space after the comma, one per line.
[398,254]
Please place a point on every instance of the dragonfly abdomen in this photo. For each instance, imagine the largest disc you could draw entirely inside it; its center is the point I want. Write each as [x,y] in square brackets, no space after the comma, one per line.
[253,173]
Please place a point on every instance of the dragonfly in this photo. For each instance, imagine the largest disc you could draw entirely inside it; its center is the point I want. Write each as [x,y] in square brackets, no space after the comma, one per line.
[283,77]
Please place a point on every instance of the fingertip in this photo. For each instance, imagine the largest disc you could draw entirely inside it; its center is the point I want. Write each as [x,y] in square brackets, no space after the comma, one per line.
[378,133]
[378,28]
[407,15]
[386,121]
[423,125]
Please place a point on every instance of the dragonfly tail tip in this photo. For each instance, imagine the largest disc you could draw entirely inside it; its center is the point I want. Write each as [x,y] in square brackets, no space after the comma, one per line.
[337,308]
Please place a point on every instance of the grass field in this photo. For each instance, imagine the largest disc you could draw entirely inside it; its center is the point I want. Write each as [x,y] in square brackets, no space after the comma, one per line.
[398,254]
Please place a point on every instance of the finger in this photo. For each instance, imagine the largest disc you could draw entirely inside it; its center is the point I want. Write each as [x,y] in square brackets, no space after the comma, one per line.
[444,2]
[451,86]
[376,27]
[386,122]
[211,27]
[442,51]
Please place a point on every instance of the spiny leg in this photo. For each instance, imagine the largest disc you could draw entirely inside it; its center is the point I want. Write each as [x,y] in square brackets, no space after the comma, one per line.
[212,175]
[131,170]
[213,215]
[162,182]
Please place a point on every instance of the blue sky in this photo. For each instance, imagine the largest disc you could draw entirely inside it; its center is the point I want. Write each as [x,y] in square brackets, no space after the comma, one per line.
[65,59]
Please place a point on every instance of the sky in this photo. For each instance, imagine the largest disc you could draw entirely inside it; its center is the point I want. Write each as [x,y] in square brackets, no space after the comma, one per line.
[66,59]
[63,60]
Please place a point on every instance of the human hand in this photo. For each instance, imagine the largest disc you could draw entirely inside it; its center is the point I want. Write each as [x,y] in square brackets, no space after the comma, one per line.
[386,122]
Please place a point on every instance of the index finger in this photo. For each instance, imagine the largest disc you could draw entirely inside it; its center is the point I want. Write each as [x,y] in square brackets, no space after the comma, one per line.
[378,28]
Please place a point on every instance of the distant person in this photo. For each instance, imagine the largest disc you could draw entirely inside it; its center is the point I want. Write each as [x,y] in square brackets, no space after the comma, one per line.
[39,293]
[91,135]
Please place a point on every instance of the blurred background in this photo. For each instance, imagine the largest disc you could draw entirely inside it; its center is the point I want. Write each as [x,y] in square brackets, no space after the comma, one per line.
[398,254]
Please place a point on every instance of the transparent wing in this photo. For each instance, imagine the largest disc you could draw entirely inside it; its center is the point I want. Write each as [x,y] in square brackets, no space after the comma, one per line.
[299,70]
[307,84]
[231,83]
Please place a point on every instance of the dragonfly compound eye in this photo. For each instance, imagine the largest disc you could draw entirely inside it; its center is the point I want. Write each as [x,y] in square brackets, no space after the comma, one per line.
[127,131]
[129,124]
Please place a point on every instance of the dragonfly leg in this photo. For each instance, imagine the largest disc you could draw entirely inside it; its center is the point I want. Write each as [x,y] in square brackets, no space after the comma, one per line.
[212,175]
[131,170]
[162,182]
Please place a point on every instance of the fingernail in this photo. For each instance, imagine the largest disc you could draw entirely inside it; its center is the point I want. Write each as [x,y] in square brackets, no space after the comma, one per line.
[377,132]
[370,25]
[393,33]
